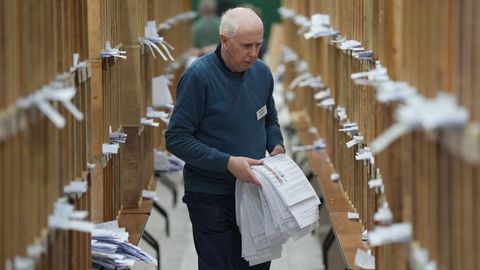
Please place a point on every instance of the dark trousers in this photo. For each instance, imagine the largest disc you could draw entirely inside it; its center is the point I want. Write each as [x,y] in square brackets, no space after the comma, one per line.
[215,232]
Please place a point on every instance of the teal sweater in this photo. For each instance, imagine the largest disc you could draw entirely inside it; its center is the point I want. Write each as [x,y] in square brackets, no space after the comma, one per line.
[215,116]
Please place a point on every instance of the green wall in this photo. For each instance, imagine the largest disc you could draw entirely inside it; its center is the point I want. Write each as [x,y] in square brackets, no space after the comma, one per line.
[269,11]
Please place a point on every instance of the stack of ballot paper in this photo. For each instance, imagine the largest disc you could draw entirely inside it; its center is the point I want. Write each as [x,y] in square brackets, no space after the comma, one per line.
[111,249]
[285,206]
[118,137]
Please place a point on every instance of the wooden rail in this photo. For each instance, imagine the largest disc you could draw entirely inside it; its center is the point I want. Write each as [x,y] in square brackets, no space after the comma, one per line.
[347,232]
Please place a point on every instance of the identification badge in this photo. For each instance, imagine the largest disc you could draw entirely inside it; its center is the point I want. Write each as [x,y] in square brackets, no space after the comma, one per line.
[262,112]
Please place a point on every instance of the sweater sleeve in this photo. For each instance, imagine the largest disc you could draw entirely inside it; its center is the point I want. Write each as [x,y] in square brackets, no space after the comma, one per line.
[274,135]
[186,118]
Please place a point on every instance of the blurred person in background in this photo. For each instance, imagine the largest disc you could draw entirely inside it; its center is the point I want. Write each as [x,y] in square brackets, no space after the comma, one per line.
[205,29]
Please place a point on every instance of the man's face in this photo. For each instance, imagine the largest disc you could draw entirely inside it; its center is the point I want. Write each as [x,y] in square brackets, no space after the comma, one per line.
[242,49]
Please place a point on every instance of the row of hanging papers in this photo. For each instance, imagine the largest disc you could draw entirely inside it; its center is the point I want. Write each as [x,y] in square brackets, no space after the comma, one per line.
[111,249]
[285,206]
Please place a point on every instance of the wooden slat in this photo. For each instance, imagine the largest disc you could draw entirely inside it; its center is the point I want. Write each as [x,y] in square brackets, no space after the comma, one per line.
[130,174]
[131,97]
[134,224]
[348,233]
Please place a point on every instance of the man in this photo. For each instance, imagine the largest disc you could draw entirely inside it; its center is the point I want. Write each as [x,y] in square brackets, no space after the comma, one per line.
[204,29]
[223,122]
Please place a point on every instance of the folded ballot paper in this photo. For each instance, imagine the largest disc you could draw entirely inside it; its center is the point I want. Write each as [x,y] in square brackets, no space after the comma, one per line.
[111,249]
[286,206]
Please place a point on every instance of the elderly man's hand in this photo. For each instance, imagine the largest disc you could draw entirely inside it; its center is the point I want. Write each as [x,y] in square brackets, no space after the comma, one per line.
[240,167]
[278,149]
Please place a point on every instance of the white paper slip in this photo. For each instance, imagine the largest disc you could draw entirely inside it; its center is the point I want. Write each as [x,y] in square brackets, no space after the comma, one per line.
[110,148]
[322,94]
[24,263]
[364,154]
[326,103]
[334,177]
[348,129]
[353,216]
[151,113]
[76,187]
[63,223]
[383,214]
[396,233]
[79,215]
[149,122]
[108,225]
[347,125]
[375,183]
[364,260]
[389,91]
[161,95]
[418,257]
[371,74]
[318,145]
[35,250]
[349,44]
[149,194]
[312,130]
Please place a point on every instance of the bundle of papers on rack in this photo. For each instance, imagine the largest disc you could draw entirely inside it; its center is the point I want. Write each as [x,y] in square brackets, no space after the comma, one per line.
[165,162]
[285,206]
[111,249]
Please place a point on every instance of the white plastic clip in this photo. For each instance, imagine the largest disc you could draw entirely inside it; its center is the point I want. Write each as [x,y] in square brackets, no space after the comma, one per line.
[64,95]
[152,38]
[349,127]
[396,233]
[322,94]
[326,103]
[341,113]
[112,52]
[319,27]
[350,45]
[364,154]
[40,100]
[384,214]
[356,140]
[421,113]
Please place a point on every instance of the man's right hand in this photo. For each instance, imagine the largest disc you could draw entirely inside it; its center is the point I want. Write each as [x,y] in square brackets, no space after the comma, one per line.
[240,167]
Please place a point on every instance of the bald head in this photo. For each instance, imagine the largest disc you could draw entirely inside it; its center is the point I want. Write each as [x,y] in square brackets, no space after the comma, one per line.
[241,36]
[233,18]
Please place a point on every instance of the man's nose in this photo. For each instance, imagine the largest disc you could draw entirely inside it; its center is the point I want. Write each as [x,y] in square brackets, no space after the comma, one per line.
[253,52]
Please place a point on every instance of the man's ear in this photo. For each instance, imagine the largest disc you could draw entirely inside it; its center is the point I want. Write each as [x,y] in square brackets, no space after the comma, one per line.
[223,40]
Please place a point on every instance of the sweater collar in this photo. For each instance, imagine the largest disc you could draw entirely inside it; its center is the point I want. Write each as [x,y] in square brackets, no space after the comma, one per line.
[219,55]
